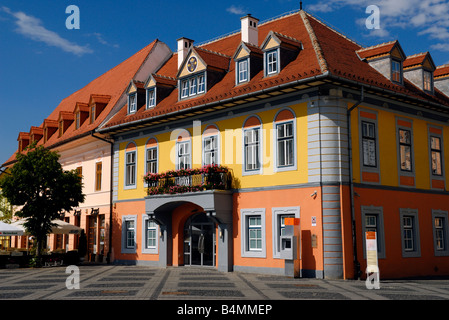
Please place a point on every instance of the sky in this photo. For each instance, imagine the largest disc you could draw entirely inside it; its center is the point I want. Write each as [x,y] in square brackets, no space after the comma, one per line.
[43,59]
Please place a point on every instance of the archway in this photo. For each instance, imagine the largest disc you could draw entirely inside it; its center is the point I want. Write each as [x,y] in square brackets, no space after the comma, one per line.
[199,241]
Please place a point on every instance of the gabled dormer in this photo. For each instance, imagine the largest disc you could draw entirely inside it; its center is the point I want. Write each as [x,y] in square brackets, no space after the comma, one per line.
[24,140]
[248,60]
[81,112]
[136,96]
[97,103]
[441,78]
[157,88]
[64,122]
[279,50]
[387,58]
[419,70]
[200,70]
[50,127]
[36,134]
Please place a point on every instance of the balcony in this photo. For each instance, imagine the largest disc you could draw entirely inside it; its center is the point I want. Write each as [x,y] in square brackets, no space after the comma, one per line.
[210,177]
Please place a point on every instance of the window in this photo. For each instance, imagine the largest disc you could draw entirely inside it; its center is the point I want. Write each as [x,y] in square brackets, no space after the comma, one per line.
[285,144]
[435,150]
[151,160]
[151,235]
[396,71]
[405,150]
[61,128]
[98,173]
[210,150]
[193,86]
[272,62]
[440,232]
[372,220]
[77,120]
[151,98]
[183,155]
[242,71]
[130,234]
[132,103]
[252,149]
[253,243]
[130,171]
[410,233]
[92,114]
[369,144]
[79,171]
[428,85]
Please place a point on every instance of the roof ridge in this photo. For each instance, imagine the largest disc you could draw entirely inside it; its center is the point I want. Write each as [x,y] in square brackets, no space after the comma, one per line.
[417,55]
[285,36]
[377,46]
[316,45]
[213,52]
[443,66]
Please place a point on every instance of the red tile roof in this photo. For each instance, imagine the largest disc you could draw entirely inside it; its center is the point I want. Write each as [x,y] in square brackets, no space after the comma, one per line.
[107,88]
[441,71]
[377,50]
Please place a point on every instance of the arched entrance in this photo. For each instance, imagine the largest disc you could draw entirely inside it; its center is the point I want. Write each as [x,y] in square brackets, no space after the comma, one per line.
[199,241]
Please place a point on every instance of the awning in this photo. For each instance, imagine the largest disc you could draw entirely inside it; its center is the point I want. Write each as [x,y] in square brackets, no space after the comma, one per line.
[61,227]
[10,230]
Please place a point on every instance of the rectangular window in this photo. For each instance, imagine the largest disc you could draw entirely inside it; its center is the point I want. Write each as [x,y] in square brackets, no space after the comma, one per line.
[254,233]
[77,120]
[79,171]
[439,234]
[272,62]
[201,84]
[243,71]
[428,86]
[130,231]
[184,155]
[435,150]
[369,144]
[252,149]
[151,98]
[130,176]
[210,146]
[151,160]
[92,114]
[61,128]
[98,174]
[132,103]
[410,233]
[285,145]
[192,87]
[184,88]
[151,235]
[396,72]
[405,149]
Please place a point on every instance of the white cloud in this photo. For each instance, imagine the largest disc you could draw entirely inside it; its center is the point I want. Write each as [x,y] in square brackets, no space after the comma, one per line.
[31,27]
[236,10]
[100,39]
[440,47]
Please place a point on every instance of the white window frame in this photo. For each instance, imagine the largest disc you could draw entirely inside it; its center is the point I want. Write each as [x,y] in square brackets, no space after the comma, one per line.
[155,161]
[145,228]
[445,230]
[273,64]
[380,232]
[414,228]
[215,150]
[185,89]
[201,88]
[192,86]
[258,147]
[276,215]
[427,81]
[130,166]
[125,247]
[294,165]
[188,155]
[151,98]
[132,103]
[243,73]
[398,71]
[245,214]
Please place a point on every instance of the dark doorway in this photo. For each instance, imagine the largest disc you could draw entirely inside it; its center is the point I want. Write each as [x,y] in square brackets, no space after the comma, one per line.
[199,241]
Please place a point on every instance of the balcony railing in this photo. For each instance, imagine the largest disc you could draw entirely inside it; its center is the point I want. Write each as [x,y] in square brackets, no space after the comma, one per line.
[209,177]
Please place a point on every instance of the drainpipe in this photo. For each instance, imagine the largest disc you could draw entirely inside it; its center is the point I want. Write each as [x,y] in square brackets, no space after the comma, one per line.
[351,183]
[111,143]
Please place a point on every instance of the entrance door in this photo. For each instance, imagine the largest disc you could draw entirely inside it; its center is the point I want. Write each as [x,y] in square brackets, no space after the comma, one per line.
[92,237]
[199,241]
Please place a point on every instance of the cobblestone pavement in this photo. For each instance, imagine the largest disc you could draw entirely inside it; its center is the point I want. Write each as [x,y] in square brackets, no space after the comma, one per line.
[110,282]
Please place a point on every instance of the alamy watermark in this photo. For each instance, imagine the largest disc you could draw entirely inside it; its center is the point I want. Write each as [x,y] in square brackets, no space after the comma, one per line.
[373,21]
[72,21]
[73,280]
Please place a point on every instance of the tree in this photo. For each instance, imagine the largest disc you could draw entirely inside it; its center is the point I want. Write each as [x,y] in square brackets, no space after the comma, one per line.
[6,210]
[38,184]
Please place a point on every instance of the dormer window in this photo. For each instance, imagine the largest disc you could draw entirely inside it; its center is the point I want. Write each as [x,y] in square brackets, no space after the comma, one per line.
[193,86]
[92,114]
[151,97]
[243,70]
[272,62]
[396,71]
[77,120]
[61,128]
[132,103]
[428,81]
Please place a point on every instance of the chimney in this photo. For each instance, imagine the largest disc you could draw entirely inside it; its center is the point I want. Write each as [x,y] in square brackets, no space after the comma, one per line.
[250,33]
[184,45]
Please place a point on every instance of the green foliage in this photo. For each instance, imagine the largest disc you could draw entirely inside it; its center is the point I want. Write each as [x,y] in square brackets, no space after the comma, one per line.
[38,184]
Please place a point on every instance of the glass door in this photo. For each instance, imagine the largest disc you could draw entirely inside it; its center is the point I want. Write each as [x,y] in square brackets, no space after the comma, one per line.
[199,242]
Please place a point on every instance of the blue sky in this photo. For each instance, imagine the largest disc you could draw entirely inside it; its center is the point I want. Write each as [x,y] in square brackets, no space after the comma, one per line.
[42,62]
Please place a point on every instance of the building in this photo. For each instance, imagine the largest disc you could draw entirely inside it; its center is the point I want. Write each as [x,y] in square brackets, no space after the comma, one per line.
[219,145]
